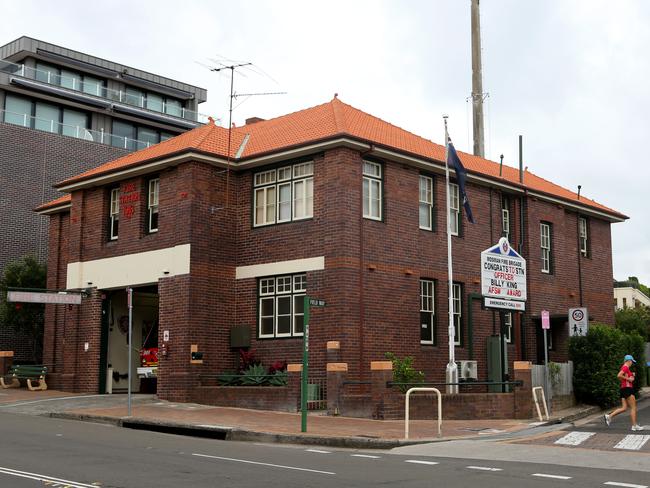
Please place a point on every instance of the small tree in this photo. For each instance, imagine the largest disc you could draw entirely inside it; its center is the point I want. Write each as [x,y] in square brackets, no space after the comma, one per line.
[597,358]
[24,319]
[404,372]
[634,320]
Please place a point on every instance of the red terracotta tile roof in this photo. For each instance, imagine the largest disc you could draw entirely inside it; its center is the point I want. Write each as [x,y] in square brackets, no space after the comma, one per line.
[59,202]
[322,122]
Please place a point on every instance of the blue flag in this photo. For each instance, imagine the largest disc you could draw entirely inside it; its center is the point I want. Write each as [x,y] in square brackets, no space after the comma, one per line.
[454,161]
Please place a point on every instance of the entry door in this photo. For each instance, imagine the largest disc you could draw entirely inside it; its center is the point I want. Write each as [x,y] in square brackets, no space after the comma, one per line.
[103,347]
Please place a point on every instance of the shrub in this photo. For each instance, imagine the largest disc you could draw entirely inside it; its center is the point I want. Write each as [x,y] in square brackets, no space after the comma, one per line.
[280,378]
[631,320]
[404,372]
[597,357]
[278,366]
[248,359]
[229,378]
[255,375]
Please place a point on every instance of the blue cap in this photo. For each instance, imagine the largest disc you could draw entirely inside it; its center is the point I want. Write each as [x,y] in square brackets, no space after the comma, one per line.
[629,357]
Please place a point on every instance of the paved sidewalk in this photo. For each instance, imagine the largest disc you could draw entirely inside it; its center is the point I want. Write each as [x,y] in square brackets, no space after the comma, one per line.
[263,426]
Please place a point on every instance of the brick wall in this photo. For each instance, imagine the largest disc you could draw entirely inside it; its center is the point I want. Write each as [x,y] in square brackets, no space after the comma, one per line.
[31,162]
[371,276]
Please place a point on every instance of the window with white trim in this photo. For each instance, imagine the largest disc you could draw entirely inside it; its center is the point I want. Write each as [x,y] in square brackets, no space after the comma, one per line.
[372,190]
[114,214]
[454,208]
[584,236]
[284,194]
[426,202]
[427,312]
[545,234]
[505,217]
[507,326]
[457,312]
[152,205]
[281,306]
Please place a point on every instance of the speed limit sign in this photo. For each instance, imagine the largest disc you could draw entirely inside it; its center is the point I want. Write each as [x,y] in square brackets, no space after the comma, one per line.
[578,322]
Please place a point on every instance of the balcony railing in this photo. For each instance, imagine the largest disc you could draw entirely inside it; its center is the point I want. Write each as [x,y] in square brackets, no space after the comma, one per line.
[171,108]
[48,125]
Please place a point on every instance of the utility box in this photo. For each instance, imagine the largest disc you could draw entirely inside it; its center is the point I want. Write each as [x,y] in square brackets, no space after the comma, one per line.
[240,336]
[497,362]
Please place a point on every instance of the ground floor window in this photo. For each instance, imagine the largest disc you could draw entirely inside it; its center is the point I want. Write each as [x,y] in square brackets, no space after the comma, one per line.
[427,312]
[281,307]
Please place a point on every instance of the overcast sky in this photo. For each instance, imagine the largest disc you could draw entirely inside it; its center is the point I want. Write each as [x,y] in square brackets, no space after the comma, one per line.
[571,76]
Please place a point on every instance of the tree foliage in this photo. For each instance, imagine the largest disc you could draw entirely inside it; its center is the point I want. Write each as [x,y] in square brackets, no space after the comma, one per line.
[634,320]
[597,358]
[24,319]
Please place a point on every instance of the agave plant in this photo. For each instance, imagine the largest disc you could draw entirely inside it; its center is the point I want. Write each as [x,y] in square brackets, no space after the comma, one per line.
[279,378]
[255,375]
[229,379]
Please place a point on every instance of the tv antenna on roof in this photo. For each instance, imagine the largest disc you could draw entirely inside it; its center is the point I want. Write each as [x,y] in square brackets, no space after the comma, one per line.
[232,67]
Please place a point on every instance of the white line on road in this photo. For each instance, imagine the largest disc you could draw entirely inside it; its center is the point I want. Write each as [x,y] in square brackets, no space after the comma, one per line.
[632,442]
[262,464]
[49,400]
[417,461]
[42,477]
[554,476]
[318,451]
[484,468]
[574,438]
[626,485]
[366,456]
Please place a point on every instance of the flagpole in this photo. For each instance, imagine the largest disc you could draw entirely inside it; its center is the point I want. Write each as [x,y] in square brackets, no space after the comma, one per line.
[451,375]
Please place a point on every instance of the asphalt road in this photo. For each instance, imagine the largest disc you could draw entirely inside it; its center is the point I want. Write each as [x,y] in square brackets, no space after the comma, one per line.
[38,451]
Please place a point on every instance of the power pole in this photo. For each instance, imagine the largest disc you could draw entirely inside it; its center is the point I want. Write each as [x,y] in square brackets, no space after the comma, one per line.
[477,82]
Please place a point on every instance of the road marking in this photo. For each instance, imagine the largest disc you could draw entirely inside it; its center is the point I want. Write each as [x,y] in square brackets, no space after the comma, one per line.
[417,461]
[632,442]
[627,485]
[245,461]
[574,438]
[484,468]
[44,478]
[318,451]
[49,400]
[368,456]
[554,476]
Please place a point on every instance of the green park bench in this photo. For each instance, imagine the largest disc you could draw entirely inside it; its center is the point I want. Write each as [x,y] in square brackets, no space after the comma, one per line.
[28,372]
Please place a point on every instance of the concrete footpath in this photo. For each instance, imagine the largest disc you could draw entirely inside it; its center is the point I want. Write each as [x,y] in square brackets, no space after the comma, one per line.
[256,425]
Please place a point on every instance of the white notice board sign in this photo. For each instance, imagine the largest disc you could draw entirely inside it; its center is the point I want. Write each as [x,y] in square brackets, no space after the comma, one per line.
[503,272]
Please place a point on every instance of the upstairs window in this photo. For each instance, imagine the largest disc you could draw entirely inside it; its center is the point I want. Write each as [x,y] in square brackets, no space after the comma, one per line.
[454,208]
[152,205]
[281,306]
[284,194]
[427,312]
[545,234]
[505,217]
[583,236]
[372,191]
[114,214]
[426,202]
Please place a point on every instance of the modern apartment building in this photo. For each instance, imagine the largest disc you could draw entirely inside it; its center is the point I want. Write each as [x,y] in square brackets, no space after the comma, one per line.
[63,112]
[330,202]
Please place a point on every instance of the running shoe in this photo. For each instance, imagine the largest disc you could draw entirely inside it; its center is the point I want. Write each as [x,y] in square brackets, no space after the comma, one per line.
[608,419]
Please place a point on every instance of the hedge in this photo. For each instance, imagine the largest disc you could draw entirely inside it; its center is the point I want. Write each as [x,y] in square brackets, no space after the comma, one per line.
[597,358]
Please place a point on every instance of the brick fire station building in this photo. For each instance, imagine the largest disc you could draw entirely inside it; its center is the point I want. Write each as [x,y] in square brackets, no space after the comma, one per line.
[220,240]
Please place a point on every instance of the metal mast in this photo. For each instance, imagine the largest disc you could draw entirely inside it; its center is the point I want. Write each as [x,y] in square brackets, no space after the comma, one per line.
[477,82]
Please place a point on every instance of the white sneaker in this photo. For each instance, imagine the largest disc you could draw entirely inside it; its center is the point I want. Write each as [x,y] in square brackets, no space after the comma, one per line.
[608,419]
[637,427]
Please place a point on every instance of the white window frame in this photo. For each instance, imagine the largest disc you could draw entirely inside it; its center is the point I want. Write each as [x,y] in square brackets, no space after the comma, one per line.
[583,236]
[278,288]
[114,214]
[427,305]
[545,244]
[299,179]
[507,326]
[454,208]
[457,311]
[153,199]
[372,178]
[426,202]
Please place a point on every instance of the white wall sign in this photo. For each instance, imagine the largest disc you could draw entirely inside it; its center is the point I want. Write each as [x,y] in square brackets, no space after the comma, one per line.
[503,272]
[39,297]
[490,302]
[578,321]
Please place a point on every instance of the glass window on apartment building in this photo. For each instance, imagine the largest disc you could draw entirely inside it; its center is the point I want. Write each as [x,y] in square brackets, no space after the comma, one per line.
[545,238]
[584,236]
[457,312]
[284,194]
[426,202]
[372,190]
[427,312]
[45,116]
[47,73]
[454,208]
[18,110]
[114,214]
[152,205]
[281,306]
